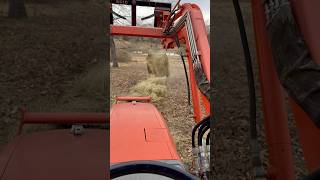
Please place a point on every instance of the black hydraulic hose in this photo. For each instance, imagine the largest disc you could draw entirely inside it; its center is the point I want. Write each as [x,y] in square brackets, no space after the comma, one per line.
[185,70]
[256,160]
[147,17]
[250,76]
[172,17]
[118,15]
[202,130]
[208,139]
[207,119]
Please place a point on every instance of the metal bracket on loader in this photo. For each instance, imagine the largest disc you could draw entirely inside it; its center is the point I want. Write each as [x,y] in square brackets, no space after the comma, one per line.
[146,99]
[60,118]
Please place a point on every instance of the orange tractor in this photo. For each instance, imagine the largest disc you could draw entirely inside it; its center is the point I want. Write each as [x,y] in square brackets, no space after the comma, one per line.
[140,143]
[139,138]
[287,43]
[288,51]
[78,153]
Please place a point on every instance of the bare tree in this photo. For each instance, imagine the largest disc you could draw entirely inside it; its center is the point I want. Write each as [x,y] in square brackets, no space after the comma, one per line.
[17,9]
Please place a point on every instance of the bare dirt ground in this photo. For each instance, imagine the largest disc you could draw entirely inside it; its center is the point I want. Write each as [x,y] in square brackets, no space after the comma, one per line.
[47,59]
[174,106]
[231,130]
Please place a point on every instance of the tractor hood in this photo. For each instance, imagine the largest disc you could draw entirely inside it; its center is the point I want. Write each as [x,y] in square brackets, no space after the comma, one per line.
[139,132]
[55,155]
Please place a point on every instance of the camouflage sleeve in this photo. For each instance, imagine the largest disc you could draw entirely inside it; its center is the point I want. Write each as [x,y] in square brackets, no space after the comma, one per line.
[298,72]
[202,81]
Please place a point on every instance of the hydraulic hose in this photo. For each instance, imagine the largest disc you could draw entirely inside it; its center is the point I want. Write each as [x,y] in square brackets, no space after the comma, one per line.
[201,151]
[202,130]
[250,76]
[207,119]
[252,95]
[208,139]
[185,70]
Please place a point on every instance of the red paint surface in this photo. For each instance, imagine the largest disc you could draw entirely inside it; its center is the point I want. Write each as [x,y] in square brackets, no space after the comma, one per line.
[139,132]
[137,31]
[280,156]
[60,118]
[56,154]
[307,16]
[129,98]
[275,114]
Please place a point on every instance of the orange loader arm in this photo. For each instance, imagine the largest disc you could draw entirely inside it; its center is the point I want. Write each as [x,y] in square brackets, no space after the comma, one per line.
[185,26]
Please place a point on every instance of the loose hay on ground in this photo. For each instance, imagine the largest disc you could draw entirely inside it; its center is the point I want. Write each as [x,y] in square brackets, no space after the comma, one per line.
[93,82]
[156,87]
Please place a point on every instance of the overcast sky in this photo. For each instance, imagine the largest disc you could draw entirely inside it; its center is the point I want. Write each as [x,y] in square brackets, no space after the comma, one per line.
[204,5]
[145,11]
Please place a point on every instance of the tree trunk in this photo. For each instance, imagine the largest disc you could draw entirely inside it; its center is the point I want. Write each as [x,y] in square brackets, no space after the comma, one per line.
[113,55]
[17,9]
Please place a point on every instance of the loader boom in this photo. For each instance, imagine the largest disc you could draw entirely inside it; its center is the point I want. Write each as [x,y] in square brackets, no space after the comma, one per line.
[189,28]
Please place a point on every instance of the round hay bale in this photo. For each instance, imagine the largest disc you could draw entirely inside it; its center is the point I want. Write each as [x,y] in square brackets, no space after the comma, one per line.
[158,64]
[123,56]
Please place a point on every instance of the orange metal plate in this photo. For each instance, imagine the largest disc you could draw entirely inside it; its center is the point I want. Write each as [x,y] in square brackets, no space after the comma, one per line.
[137,31]
[56,154]
[139,132]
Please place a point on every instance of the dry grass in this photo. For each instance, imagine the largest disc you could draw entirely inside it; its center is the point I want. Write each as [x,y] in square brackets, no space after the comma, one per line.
[42,55]
[156,87]
[93,81]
